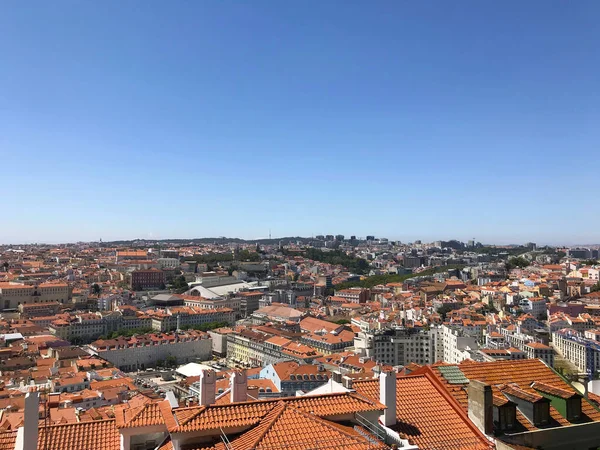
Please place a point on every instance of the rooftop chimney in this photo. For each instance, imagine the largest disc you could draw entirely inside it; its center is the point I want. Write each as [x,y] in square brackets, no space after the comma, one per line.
[347,382]
[207,387]
[387,396]
[481,406]
[27,436]
[239,387]
[337,376]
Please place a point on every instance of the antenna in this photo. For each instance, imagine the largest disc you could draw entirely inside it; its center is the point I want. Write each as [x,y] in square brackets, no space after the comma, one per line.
[225,439]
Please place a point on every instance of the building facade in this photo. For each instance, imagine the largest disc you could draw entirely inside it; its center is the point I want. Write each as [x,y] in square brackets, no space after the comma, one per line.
[14,294]
[401,346]
[140,352]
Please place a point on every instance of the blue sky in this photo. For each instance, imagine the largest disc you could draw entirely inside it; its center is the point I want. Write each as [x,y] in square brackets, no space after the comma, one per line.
[412,120]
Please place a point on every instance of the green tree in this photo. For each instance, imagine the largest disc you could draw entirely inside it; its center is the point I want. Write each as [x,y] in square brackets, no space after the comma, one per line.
[444,310]
[376,280]
[96,289]
[596,287]
[515,262]
[207,326]
[171,361]
[180,284]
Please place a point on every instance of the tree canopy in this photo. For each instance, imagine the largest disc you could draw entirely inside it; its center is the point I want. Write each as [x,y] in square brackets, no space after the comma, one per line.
[336,257]
[515,262]
[375,280]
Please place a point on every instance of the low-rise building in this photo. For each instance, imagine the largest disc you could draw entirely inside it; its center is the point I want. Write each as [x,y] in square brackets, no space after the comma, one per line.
[290,377]
[14,294]
[583,353]
[540,351]
[140,352]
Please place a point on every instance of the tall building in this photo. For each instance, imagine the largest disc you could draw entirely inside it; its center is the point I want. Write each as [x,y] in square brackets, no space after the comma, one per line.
[401,346]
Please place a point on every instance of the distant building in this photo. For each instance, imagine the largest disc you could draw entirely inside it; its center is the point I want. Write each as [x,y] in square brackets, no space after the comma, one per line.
[130,255]
[540,351]
[458,345]
[400,346]
[147,279]
[14,294]
[583,353]
[411,262]
[168,263]
[140,352]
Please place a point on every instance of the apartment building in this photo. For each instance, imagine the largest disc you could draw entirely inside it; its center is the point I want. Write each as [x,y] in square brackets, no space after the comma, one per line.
[147,279]
[400,346]
[540,351]
[250,348]
[168,263]
[583,353]
[182,317]
[232,302]
[29,310]
[140,352]
[354,295]
[86,326]
[457,345]
[249,302]
[130,255]
[79,327]
[290,377]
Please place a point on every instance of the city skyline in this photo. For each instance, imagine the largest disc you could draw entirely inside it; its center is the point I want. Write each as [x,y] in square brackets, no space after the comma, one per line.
[439,120]
[250,240]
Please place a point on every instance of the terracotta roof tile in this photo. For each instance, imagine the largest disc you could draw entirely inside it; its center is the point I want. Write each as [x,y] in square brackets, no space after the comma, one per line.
[287,427]
[521,373]
[421,406]
[243,414]
[139,412]
[7,440]
[102,434]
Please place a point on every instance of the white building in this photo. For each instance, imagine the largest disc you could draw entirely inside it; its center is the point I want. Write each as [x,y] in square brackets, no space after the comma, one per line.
[168,263]
[583,353]
[140,352]
[457,345]
[537,307]
[400,346]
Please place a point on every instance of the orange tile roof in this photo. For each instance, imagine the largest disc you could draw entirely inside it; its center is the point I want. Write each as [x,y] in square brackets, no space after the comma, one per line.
[521,373]
[139,412]
[422,405]
[7,440]
[102,434]
[290,428]
[242,414]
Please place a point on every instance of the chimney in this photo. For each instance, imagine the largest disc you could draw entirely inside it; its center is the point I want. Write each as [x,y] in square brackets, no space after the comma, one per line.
[207,387]
[27,436]
[347,382]
[387,396]
[239,387]
[337,376]
[481,406]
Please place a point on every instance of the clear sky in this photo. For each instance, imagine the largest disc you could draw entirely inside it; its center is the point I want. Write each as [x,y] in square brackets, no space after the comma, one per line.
[406,119]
